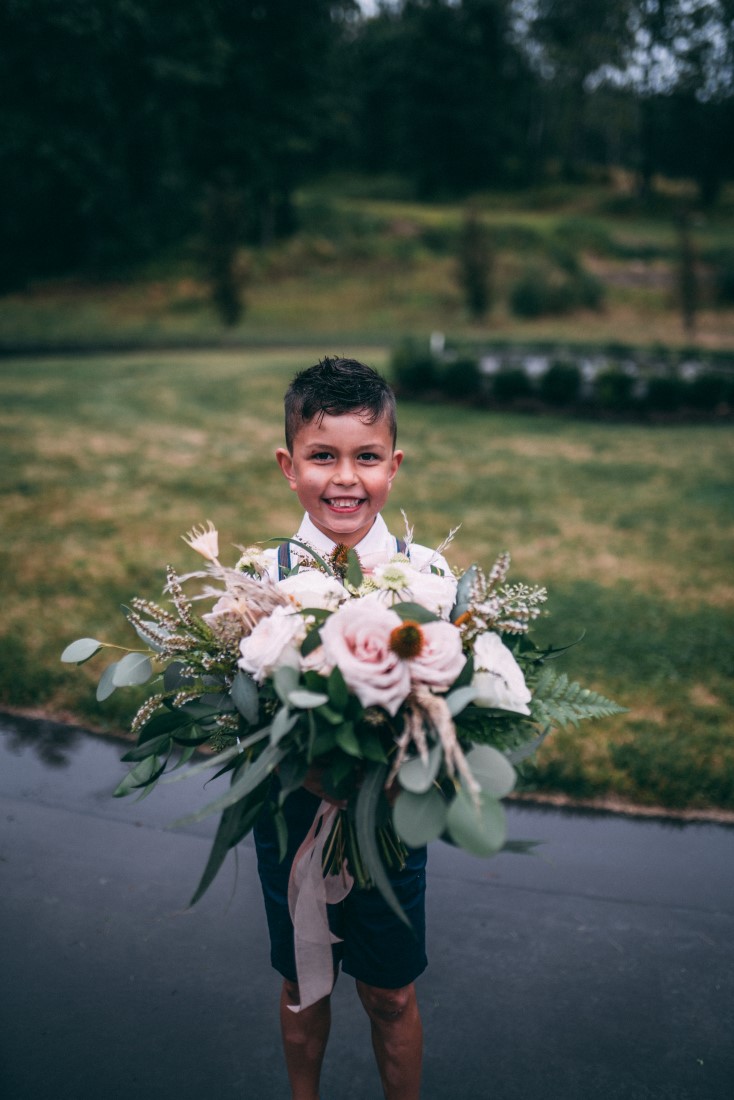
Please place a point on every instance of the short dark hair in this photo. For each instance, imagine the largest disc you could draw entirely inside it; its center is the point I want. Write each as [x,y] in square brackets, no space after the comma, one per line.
[334,387]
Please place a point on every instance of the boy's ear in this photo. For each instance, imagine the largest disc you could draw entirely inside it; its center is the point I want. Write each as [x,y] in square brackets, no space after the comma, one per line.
[285,460]
[397,458]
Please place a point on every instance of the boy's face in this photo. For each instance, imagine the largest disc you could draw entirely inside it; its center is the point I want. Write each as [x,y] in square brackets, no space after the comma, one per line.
[342,470]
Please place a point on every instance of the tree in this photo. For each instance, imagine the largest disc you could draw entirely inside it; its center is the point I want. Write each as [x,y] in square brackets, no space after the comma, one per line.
[444,95]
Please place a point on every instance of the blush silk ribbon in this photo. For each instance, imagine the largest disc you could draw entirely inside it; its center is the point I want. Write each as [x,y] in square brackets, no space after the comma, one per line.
[309,892]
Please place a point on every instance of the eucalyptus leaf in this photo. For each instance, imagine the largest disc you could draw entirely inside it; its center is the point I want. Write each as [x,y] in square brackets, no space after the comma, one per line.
[132,669]
[415,612]
[366,825]
[81,650]
[416,776]
[283,723]
[492,770]
[463,592]
[158,744]
[250,777]
[479,829]
[173,679]
[419,818]
[285,680]
[245,697]
[338,690]
[106,684]
[235,822]
[307,700]
[147,637]
[221,757]
[460,698]
[347,740]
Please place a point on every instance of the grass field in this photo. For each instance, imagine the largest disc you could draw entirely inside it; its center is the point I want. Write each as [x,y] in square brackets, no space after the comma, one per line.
[108,460]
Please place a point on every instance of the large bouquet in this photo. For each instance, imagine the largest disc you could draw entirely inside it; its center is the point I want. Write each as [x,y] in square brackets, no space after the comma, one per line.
[408,696]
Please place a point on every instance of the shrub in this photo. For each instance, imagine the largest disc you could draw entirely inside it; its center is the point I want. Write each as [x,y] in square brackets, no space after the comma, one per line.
[413,369]
[461,379]
[535,294]
[510,384]
[708,390]
[614,389]
[561,383]
[588,290]
[665,393]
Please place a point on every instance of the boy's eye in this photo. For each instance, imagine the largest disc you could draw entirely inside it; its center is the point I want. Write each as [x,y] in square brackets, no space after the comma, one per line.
[369,456]
[322,456]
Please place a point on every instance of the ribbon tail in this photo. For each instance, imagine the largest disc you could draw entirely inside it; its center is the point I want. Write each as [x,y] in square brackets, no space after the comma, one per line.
[309,892]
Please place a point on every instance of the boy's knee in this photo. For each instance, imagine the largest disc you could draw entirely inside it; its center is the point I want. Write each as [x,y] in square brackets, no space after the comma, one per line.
[386,1005]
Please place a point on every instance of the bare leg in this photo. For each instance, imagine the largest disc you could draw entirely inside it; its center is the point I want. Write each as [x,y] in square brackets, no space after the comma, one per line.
[397,1038]
[304,1041]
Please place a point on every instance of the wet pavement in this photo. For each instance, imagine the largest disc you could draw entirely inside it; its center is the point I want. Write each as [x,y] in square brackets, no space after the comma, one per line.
[602,967]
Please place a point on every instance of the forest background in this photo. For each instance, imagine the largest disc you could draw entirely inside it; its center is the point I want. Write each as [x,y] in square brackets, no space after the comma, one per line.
[550,176]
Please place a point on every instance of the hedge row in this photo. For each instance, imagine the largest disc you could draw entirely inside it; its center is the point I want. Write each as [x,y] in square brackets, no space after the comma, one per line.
[563,383]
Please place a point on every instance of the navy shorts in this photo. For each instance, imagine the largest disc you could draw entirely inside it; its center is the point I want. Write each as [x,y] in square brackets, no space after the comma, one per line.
[376,947]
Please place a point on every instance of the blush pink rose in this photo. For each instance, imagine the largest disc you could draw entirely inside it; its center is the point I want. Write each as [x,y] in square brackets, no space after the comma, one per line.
[441,659]
[356,638]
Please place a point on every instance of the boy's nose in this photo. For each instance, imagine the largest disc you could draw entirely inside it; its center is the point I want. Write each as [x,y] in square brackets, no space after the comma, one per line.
[345,473]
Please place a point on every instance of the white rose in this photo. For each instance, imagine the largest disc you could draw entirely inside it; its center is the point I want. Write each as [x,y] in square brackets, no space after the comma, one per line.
[273,642]
[497,676]
[310,588]
[357,639]
[441,659]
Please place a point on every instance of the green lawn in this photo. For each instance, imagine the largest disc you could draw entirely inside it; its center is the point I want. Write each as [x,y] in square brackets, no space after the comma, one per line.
[108,460]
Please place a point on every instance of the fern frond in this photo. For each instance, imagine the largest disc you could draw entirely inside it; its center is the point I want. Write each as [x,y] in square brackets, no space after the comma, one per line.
[562,702]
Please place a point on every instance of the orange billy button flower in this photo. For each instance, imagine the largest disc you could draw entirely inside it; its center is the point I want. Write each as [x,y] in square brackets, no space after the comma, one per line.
[407,640]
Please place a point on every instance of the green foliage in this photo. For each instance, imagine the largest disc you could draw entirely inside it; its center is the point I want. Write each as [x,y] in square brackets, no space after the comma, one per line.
[475,261]
[665,393]
[459,379]
[413,369]
[613,389]
[560,702]
[511,384]
[561,383]
[709,390]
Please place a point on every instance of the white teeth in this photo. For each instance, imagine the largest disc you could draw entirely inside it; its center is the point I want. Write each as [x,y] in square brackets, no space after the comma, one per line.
[344,502]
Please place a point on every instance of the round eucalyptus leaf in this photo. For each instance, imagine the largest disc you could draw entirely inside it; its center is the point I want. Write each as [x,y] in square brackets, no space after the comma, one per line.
[80,650]
[244,696]
[133,668]
[419,818]
[492,770]
[307,700]
[416,776]
[479,829]
[460,698]
[107,684]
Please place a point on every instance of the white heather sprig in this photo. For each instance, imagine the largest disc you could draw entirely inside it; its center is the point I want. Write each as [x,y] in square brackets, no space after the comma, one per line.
[494,605]
[149,707]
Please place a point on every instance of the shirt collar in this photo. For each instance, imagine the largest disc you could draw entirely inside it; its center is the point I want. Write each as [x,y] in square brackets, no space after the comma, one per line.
[377,540]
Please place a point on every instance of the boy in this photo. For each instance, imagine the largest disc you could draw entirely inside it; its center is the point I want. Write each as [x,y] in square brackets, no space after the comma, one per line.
[340,460]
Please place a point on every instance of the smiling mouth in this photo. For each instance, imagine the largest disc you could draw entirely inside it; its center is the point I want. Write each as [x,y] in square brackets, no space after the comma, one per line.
[344,504]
